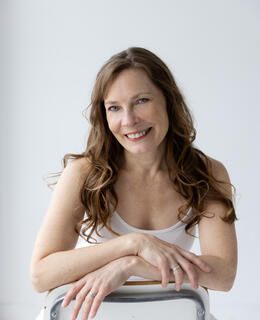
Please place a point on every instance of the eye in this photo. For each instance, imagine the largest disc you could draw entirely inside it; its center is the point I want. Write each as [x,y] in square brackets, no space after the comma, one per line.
[110,108]
[143,99]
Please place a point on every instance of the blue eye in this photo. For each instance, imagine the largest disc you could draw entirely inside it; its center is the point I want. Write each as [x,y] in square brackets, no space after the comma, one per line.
[143,99]
[112,107]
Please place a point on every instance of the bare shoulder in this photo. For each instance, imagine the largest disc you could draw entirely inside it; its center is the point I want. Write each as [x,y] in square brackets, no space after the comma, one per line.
[220,173]
[65,210]
[76,169]
[217,165]
[79,165]
[218,238]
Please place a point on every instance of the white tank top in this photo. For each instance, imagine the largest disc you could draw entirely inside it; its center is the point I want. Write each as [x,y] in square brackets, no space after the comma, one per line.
[175,234]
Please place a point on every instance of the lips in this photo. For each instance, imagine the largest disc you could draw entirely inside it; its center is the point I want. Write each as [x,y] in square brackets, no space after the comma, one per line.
[137,132]
[139,135]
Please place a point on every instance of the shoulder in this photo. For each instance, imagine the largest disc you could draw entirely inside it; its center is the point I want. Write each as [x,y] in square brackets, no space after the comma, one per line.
[218,167]
[74,174]
[220,173]
[78,166]
[80,162]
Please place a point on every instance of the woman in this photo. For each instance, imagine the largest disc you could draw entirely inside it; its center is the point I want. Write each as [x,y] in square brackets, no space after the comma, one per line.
[144,188]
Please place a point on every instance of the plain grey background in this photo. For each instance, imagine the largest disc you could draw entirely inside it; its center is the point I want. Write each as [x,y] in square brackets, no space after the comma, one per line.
[51,52]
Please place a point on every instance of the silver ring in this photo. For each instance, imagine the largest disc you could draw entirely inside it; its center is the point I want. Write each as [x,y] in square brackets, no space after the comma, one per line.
[91,295]
[176,268]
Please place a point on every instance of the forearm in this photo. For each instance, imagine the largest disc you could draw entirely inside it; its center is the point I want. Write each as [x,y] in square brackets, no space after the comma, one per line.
[64,267]
[141,268]
[219,278]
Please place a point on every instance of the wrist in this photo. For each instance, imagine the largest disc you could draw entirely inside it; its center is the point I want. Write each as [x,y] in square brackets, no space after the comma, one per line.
[130,263]
[134,241]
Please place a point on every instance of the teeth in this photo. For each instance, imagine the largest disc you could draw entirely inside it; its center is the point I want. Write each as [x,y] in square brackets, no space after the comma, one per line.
[137,135]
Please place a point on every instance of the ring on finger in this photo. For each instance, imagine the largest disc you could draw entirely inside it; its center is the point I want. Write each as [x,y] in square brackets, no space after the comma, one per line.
[92,295]
[176,268]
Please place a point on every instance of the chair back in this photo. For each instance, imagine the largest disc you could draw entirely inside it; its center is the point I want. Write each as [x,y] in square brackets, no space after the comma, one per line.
[138,300]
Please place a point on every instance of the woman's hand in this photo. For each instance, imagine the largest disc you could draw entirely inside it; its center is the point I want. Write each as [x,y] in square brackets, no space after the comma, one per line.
[100,282]
[165,256]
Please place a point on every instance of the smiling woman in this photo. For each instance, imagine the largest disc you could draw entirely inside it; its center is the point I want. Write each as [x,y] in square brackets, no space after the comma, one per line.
[140,127]
[139,189]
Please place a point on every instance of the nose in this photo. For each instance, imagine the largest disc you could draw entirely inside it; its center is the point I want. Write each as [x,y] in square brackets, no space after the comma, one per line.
[129,118]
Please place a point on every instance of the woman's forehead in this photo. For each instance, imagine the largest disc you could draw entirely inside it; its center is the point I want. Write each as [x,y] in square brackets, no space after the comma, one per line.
[129,83]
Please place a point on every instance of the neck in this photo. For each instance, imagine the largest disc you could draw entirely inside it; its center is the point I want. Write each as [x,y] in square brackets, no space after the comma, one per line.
[145,165]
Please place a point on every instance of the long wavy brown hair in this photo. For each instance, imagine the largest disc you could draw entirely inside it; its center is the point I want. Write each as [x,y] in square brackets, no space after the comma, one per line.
[190,170]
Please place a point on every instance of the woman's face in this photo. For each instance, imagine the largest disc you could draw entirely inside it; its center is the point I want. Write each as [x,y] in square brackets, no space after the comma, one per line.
[136,111]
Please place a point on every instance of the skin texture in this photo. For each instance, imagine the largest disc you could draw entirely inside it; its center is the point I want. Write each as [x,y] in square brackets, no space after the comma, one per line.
[166,256]
[100,282]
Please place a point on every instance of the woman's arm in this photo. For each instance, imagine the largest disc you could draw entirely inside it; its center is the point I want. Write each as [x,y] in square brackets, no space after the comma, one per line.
[54,260]
[218,241]
[218,244]
[64,267]
[142,268]
[218,279]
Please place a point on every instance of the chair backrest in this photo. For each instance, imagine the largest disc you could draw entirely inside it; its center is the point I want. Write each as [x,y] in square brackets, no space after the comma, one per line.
[138,300]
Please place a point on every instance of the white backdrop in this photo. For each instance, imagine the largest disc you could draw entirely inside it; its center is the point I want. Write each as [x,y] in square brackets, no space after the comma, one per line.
[50,54]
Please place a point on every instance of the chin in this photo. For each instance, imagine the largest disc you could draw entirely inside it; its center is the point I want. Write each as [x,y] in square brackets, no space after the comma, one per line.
[138,150]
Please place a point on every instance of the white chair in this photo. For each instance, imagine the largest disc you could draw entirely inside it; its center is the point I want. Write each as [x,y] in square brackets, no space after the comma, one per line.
[138,301]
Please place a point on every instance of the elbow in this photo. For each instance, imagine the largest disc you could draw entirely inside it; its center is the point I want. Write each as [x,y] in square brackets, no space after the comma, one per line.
[227,275]
[36,283]
[37,280]
[228,285]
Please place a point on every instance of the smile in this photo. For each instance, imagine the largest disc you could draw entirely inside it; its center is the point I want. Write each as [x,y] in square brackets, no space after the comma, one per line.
[139,135]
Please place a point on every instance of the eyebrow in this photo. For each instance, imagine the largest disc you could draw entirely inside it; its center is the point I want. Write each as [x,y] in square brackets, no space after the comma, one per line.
[135,96]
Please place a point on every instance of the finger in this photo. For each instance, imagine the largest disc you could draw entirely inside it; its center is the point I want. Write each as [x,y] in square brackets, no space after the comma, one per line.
[97,302]
[178,276]
[192,274]
[178,273]
[165,271]
[79,301]
[196,260]
[71,293]
[165,277]
[87,305]
[189,269]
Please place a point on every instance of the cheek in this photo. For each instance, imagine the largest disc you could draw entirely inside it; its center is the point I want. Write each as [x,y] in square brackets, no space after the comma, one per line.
[164,120]
[161,117]
[113,124]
